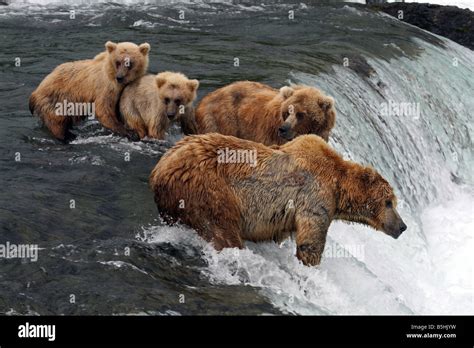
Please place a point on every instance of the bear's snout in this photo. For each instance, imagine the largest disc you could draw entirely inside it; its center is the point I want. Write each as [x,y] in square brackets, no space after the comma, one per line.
[397,232]
[285,131]
[403,228]
[120,79]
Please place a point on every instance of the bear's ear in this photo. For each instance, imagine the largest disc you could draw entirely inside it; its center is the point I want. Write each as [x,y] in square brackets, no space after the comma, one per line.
[326,103]
[368,177]
[286,92]
[144,48]
[160,81]
[110,46]
[193,85]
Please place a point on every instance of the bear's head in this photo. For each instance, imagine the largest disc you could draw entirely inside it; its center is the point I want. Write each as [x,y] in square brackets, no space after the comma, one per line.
[126,61]
[305,110]
[176,93]
[371,201]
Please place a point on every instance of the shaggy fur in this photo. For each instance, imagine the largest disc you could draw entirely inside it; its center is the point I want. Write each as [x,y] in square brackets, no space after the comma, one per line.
[298,187]
[99,81]
[151,103]
[257,112]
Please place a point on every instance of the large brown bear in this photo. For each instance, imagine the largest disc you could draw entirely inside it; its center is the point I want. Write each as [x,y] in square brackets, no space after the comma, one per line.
[97,81]
[257,112]
[151,103]
[230,190]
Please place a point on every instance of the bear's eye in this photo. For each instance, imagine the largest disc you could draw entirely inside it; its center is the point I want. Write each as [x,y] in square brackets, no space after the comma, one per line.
[129,65]
[285,115]
[167,100]
[388,204]
[118,63]
[300,115]
[177,101]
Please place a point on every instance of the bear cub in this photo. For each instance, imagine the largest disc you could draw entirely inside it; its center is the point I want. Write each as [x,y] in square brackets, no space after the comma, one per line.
[150,104]
[94,82]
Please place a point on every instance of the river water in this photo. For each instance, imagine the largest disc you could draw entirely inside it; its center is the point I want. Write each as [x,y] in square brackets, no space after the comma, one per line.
[103,249]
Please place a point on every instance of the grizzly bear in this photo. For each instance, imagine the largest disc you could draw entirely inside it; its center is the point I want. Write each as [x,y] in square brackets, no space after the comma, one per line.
[151,103]
[97,81]
[257,112]
[230,190]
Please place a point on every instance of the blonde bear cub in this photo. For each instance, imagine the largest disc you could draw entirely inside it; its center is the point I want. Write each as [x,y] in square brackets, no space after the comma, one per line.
[150,104]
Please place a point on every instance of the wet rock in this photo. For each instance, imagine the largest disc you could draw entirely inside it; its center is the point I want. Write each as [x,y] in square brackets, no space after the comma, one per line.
[449,21]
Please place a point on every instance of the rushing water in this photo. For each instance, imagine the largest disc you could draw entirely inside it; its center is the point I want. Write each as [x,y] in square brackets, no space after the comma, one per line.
[113,254]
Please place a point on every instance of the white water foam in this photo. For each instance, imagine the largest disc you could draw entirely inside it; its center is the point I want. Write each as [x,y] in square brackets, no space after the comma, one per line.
[122,145]
[401,276]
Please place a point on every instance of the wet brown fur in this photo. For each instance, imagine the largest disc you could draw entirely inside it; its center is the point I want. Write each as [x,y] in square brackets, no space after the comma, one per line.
[298,187]
[90,81]
[144,109]
[254,111]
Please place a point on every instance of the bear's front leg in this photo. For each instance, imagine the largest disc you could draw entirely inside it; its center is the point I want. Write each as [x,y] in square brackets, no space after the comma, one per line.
[188,122]
[136,124]
[311,232]
[157,132]
[110,122]
[106,115]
